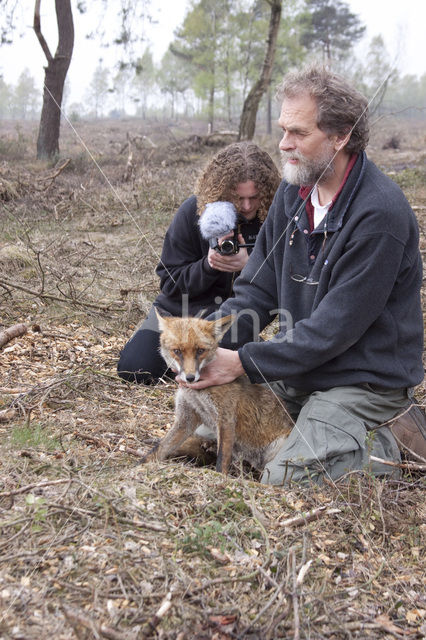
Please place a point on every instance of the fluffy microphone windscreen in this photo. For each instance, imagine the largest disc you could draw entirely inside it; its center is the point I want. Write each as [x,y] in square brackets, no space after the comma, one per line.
[217,219]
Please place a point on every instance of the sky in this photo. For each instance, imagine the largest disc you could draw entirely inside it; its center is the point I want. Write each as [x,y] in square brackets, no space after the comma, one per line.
[402,27]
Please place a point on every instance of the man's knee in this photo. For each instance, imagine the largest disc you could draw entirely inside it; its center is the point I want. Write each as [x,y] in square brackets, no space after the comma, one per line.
[327,441]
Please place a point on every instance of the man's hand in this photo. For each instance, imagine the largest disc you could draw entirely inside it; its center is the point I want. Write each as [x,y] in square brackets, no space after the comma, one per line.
[226,367]
[234,262]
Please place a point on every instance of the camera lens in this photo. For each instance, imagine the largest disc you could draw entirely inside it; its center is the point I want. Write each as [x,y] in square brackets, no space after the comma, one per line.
[227,247]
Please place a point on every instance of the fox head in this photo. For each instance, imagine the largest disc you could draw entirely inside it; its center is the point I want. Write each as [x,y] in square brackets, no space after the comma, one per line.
[188,344]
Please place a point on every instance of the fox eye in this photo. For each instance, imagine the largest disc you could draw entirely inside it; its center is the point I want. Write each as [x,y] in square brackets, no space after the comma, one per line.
[177,352]
[200,351]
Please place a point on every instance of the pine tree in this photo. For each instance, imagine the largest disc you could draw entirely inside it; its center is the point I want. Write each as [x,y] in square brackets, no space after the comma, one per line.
[330,27]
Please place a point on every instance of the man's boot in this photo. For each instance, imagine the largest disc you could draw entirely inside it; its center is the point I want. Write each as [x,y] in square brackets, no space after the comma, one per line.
[409,430]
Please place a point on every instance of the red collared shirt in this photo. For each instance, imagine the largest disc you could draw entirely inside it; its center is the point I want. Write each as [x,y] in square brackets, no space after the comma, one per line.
[304,192]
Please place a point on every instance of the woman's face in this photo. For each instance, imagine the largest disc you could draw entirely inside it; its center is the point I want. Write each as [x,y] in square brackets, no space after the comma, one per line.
[248,199]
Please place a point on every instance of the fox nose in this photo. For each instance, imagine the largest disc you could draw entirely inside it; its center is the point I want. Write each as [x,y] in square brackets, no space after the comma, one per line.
[190,378]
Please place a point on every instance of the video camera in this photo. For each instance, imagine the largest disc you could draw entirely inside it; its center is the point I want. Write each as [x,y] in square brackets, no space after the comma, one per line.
[217,220]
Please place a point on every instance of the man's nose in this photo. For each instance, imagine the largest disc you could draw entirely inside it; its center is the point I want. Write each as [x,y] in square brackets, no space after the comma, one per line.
[287,142]
[245,204]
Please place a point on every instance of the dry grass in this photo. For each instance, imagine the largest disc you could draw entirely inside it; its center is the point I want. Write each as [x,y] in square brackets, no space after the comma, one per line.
[95,546]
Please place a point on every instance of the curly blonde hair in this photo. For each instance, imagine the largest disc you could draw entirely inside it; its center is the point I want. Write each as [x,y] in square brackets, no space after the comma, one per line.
[237,163]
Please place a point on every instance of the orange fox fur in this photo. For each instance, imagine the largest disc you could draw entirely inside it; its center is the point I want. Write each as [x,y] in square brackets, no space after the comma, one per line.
[250,421]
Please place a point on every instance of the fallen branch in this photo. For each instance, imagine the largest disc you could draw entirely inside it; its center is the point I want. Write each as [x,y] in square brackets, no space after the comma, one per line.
[55,175]
[153,526]
[307,517]
[413,466]
[13,332]
[35,485]
[45,296]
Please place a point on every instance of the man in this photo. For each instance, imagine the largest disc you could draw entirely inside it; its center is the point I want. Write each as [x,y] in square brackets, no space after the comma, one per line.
[338,260]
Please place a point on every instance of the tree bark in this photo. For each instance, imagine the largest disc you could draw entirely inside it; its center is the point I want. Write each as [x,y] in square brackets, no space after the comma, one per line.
[55,74]
[269,112]
[251,103]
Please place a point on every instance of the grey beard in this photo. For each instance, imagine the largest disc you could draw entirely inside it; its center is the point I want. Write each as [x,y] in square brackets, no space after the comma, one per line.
[308,172]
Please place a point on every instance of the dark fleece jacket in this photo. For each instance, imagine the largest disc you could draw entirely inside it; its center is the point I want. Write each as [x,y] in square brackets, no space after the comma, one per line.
[347,295]
[184,269]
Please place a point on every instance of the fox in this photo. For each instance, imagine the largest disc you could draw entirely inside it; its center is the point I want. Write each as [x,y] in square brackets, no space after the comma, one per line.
[249,420]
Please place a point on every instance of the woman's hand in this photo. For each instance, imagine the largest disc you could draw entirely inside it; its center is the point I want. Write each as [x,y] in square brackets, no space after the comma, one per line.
[231,263]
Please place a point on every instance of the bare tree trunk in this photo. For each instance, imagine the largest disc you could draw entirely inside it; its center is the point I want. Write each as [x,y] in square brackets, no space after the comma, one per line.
[251,103]
[211,108]
[269,112]
[55,74]
[213,81]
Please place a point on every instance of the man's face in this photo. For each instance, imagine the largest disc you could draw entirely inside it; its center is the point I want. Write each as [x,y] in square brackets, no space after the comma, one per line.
[248,199]
[307,152]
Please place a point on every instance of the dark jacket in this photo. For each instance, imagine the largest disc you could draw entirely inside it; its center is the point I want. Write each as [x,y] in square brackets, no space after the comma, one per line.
[348,297]
[184,268]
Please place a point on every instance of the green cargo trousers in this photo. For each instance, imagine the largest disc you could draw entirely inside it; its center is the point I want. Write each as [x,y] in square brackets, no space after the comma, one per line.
[335,433]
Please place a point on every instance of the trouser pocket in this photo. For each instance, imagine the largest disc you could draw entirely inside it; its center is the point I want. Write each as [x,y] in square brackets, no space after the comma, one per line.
[327,441]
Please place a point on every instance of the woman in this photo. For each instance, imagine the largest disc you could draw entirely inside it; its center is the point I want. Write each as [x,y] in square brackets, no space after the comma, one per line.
[193,276]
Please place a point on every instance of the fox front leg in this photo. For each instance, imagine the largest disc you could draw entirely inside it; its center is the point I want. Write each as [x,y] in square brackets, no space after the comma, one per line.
[225,443]
[184,426]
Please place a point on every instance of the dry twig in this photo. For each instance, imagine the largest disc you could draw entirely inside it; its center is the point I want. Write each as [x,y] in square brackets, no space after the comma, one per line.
[296,521]
[412,466]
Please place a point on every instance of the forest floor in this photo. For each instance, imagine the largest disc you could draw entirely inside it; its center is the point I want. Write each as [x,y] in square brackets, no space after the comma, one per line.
[94,545]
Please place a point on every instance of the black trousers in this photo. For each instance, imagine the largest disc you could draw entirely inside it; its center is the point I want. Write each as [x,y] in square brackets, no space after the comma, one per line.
[140,360]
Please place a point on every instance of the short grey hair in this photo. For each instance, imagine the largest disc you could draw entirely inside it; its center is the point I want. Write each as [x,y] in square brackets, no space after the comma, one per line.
[341,108]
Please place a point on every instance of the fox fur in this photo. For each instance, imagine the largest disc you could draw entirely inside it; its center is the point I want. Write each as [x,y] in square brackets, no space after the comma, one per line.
[250,421]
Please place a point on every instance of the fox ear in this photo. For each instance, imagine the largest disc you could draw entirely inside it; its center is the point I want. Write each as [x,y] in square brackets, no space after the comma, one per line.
[222,325]
[162,316]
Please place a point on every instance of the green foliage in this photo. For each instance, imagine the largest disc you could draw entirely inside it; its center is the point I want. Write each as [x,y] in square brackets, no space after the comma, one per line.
[174,79]
[387,91]
[21,101]
[143,81]
[203,43]
[14,148]
[33,436]
[205,536]
[98,90]
[407,95]
[375,77]
[222,46]
[330,27]
[410,177]
[220,524]
[5,98]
